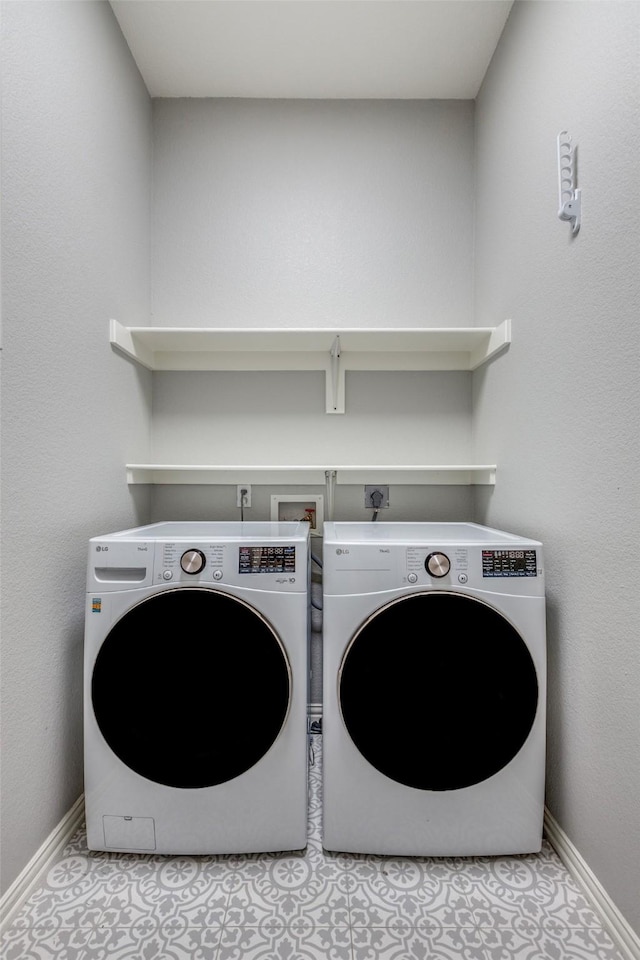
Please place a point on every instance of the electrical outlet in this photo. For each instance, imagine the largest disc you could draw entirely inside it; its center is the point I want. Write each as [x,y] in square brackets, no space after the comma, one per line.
[243,499]
[376,497]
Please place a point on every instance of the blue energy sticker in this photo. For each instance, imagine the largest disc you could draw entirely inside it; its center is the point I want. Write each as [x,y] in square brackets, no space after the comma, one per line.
[96,605]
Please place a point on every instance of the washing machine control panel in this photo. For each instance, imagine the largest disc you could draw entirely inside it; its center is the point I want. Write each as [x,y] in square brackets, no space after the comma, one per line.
[267,559]
[184,562]
[263,565]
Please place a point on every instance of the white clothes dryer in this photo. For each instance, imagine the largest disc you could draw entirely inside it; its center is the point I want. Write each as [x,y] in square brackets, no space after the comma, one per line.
[434,690]
[195,688]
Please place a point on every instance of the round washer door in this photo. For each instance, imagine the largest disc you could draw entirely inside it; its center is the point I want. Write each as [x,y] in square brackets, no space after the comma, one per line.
[191,688]
[438,691]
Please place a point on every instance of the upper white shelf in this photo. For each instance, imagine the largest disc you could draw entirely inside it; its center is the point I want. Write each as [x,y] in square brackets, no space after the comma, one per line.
[333,350]
[161,473]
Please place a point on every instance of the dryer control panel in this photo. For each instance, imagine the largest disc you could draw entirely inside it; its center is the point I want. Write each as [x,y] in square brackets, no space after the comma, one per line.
[445,564]
[372,568]
[473,566]
[509,563]
[381,557]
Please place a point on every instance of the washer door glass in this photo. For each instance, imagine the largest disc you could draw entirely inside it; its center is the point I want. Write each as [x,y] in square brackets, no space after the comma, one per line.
[191,688]
[438,691]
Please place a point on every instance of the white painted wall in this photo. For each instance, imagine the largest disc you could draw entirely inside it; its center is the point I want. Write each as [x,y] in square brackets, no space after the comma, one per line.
[75,221]
[560,413]
[279,418]
[312,213]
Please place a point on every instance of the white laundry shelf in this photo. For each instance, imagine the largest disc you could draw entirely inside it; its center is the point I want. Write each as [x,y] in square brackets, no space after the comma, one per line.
[331,350]
[163,473]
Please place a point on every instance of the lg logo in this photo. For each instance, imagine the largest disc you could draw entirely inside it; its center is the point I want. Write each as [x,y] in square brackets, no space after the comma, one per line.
[102,549]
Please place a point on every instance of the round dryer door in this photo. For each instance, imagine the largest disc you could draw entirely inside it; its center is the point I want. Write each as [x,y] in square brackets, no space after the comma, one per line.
[191,688]
[438,691]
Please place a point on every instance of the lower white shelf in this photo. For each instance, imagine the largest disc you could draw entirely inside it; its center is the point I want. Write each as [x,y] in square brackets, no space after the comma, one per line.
[462,474]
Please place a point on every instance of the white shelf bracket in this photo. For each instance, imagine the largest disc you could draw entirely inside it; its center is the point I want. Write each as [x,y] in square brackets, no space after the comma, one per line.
[570,206]
[121,338]
[336,389]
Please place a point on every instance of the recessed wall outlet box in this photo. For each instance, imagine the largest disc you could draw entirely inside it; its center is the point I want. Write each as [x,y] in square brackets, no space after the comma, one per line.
[376,497]
[243,495]
[292,507]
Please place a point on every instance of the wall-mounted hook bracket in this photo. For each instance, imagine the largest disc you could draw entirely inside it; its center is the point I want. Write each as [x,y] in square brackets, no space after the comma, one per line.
[570,207]
[571,210]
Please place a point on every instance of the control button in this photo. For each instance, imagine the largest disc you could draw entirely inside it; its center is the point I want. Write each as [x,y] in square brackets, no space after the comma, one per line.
[462,578]
[193,561]
[167,575]
[217,574]
[413,578]
[437,564]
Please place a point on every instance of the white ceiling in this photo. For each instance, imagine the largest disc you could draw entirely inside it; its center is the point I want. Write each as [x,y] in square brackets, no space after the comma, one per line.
[361,49]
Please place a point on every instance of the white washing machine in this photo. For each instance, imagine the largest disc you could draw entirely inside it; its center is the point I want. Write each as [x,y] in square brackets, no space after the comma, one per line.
[195,690]
[434,690]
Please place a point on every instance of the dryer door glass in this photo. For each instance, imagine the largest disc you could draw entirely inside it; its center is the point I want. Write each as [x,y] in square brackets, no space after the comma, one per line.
[191,688]
[438,691]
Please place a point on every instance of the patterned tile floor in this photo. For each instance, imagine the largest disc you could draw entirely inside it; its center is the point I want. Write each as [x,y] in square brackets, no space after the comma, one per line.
[306,906]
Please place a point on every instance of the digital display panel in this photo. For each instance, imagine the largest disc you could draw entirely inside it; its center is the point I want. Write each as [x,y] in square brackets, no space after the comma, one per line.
[509,563]
[271,559]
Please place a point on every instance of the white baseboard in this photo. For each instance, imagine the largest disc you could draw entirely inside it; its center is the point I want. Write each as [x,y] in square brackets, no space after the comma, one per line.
[624,937]
[24,884]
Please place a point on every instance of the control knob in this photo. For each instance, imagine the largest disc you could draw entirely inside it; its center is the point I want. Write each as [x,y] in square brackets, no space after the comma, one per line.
[193,561]
[437,564]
